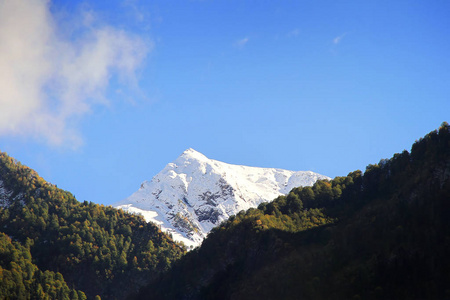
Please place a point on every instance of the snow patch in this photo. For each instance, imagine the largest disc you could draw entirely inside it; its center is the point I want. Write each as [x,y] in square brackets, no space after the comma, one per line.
[5,195]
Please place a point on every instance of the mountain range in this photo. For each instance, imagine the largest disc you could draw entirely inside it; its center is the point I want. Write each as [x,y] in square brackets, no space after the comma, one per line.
[379,234]
[193,194]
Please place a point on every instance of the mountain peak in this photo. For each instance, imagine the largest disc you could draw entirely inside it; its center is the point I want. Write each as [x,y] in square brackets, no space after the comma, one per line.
[193,154]
[193,194]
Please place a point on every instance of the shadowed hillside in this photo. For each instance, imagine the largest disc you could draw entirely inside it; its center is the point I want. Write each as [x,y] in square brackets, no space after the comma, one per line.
[384,234]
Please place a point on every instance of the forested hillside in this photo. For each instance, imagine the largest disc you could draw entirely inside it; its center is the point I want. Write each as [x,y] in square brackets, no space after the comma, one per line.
[21,279]
[384,234]
[381,234]
[50,241]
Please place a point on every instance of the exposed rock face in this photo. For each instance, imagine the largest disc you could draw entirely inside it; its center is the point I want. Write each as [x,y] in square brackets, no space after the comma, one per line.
[7,196]
[194,193]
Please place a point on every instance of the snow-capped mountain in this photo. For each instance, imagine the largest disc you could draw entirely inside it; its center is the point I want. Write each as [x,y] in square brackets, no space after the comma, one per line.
[193,194]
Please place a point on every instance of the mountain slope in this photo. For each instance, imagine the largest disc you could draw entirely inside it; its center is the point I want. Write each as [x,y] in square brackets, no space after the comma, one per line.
[96,249]
[384,234]
[194,193]
[21,279]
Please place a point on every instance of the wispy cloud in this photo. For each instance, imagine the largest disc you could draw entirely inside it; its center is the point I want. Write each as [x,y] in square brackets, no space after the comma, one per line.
[137,11]
[339,38]
[293,33]
[48,81]
[241,42]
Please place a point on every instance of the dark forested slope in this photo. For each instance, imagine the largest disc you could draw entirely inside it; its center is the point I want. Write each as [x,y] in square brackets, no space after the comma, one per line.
[99,250]
[21,279]
[384,234]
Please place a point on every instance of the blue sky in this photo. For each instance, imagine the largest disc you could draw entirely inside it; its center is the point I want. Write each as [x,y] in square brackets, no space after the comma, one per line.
[98,96]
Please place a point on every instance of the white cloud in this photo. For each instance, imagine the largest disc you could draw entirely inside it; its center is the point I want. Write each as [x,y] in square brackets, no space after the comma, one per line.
[338,39]
[48,81]
[241,43]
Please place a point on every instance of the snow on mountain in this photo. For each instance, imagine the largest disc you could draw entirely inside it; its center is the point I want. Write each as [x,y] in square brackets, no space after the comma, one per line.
[193,194]
[5,195]
[7,198]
